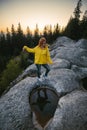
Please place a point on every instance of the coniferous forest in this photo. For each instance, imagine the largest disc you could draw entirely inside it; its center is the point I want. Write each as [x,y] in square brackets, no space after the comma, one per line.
[13,61]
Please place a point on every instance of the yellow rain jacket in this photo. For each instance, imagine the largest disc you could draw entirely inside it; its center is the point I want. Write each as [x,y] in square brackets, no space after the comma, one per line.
[42,56]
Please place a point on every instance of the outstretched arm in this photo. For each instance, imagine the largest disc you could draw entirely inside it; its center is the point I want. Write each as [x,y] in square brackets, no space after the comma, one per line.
[32,50]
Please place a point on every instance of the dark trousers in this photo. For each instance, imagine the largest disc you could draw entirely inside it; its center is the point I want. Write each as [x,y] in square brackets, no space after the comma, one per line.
[46,66]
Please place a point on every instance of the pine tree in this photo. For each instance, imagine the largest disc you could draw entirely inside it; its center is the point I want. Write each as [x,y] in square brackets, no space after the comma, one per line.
[50,35]
[29,33]
[36,31]
[13,32]
[19,30]
[56,31]
[36,35]
[8,45]
[77,10]
[20,40]
[45,32]
[3,59]
[72,29]
[29,41]
[8,36]
[13,39]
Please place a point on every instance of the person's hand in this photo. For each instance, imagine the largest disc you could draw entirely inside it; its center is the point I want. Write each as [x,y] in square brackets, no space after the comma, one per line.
[23,49]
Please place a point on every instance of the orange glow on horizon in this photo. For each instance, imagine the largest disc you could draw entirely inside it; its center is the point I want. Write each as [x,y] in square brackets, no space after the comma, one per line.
[32,27]
[29,13]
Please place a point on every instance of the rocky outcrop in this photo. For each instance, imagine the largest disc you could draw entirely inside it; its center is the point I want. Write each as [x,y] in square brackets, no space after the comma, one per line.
[72,113]
[62,103]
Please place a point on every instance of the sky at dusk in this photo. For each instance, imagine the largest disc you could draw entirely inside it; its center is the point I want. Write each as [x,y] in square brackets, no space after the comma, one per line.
[32,12]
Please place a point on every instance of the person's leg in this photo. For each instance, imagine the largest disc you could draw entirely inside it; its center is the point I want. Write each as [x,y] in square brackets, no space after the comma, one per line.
[46,66]
[38,70]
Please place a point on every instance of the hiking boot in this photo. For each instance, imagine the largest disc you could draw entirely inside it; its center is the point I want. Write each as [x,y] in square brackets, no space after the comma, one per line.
[39,79]
[45,77]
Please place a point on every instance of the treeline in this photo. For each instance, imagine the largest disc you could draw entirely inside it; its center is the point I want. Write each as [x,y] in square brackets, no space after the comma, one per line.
[13,61]
[76,28]
[12,42]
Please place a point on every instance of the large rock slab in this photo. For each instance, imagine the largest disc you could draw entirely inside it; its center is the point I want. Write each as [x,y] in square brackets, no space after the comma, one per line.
[60,63]
[82,43]
[77,56]
[71,113]
[67,78]
[15,112]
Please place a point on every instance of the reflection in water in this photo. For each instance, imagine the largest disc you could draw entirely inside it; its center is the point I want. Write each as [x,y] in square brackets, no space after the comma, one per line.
[42,100]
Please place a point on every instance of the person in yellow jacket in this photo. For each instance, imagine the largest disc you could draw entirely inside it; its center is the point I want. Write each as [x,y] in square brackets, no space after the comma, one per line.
[42,56]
